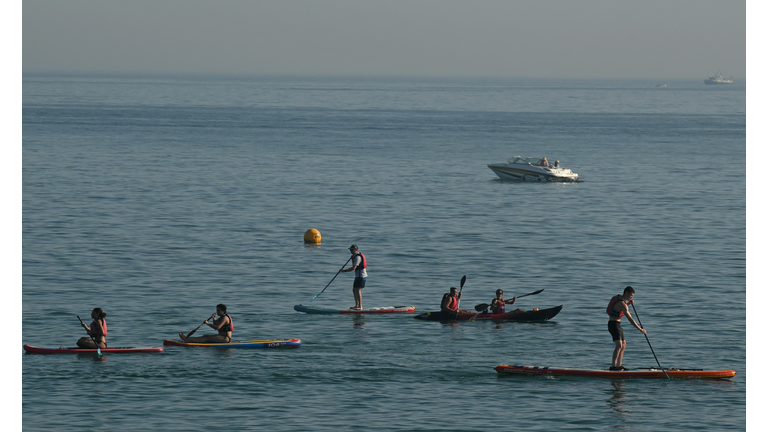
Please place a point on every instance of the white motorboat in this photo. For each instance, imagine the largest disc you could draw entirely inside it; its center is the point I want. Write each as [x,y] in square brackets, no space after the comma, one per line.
[532,169]
[718,79]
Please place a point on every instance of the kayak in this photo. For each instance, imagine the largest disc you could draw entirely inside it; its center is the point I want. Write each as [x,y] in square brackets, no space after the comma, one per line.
[377,310]
[78,350]
[515,315]
[603,373]
[269,343]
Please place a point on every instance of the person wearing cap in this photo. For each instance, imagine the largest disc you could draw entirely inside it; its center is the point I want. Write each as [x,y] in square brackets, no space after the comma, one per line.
[557,164]
[359,266]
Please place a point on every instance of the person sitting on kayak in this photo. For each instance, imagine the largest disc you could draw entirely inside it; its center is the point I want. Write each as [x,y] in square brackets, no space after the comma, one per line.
[223,325]
[450,301]
[498,304]
[97,331]
[616,309]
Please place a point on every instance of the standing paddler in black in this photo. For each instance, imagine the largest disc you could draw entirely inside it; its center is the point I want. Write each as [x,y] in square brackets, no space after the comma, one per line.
[616,309]
[359,266]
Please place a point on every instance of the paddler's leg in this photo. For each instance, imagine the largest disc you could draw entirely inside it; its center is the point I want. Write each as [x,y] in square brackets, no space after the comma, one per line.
[614,327]
[85,342]
[357,287]
[618,353]
[207,339]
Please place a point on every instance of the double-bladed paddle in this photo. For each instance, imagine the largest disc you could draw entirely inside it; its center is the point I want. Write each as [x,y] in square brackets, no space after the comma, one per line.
[98,350]
[329,283]
[482,306]
[649,341]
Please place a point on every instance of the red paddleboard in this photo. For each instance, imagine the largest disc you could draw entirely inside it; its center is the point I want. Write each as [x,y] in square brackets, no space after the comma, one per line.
[78,350]
[376,310]
[603,373]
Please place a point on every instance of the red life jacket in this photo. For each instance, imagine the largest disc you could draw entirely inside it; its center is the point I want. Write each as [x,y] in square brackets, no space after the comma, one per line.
[363,263]
[453,304]
[231,325]
[103,326]
[610,311]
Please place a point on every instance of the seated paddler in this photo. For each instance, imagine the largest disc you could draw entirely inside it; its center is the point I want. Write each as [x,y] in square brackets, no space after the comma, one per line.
[97,332]
[223,325]
[498,304]
[450,301]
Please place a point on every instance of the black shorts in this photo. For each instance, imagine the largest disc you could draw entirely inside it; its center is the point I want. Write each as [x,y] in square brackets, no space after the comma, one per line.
[614,327]
[359,283]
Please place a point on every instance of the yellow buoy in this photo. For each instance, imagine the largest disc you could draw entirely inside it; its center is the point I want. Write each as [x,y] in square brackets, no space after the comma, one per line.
[312,236]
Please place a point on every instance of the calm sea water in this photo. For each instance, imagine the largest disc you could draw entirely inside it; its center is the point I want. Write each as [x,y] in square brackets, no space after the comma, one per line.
[155,198]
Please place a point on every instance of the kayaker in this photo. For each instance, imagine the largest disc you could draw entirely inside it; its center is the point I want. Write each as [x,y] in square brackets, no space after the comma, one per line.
[97,331]
[450,301]
[616,309]
[359,266]
[498,304]
[223,325]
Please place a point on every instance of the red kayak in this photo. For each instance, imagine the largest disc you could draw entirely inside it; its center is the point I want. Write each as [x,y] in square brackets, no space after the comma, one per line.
[631,373]
[78,350]
[535,315]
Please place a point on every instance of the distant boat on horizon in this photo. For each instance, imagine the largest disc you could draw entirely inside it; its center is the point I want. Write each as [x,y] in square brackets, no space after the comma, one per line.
[661,85]
[718,79]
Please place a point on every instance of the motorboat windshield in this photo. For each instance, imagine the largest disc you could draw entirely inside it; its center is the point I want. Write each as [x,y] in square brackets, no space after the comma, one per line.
[525,161]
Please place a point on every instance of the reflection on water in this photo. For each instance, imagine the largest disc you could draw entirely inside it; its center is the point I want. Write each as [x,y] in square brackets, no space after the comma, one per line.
[357,321]
[619,403]
[618,397]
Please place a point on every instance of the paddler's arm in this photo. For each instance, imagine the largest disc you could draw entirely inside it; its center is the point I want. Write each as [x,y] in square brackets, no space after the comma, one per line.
[220,324]
[213,326]
[629,317]
[510,301]
[349,269]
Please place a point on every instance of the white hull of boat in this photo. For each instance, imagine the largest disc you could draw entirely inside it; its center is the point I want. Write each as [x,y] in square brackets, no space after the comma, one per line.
[532,173]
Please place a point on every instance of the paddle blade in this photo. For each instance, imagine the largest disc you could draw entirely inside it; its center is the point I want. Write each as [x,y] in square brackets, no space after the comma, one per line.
[533,293]
[481,307]
[463,279]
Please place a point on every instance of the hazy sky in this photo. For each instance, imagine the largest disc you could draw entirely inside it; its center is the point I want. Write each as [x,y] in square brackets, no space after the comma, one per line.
[517,38]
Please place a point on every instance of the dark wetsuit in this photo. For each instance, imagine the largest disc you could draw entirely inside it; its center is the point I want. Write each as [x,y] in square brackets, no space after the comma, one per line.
[614,327]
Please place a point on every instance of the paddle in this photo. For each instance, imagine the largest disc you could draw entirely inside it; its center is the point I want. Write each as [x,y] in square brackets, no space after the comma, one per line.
[649,342]
[482,306]
[461,288]
[198,327]
[98,350]
[329,283]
